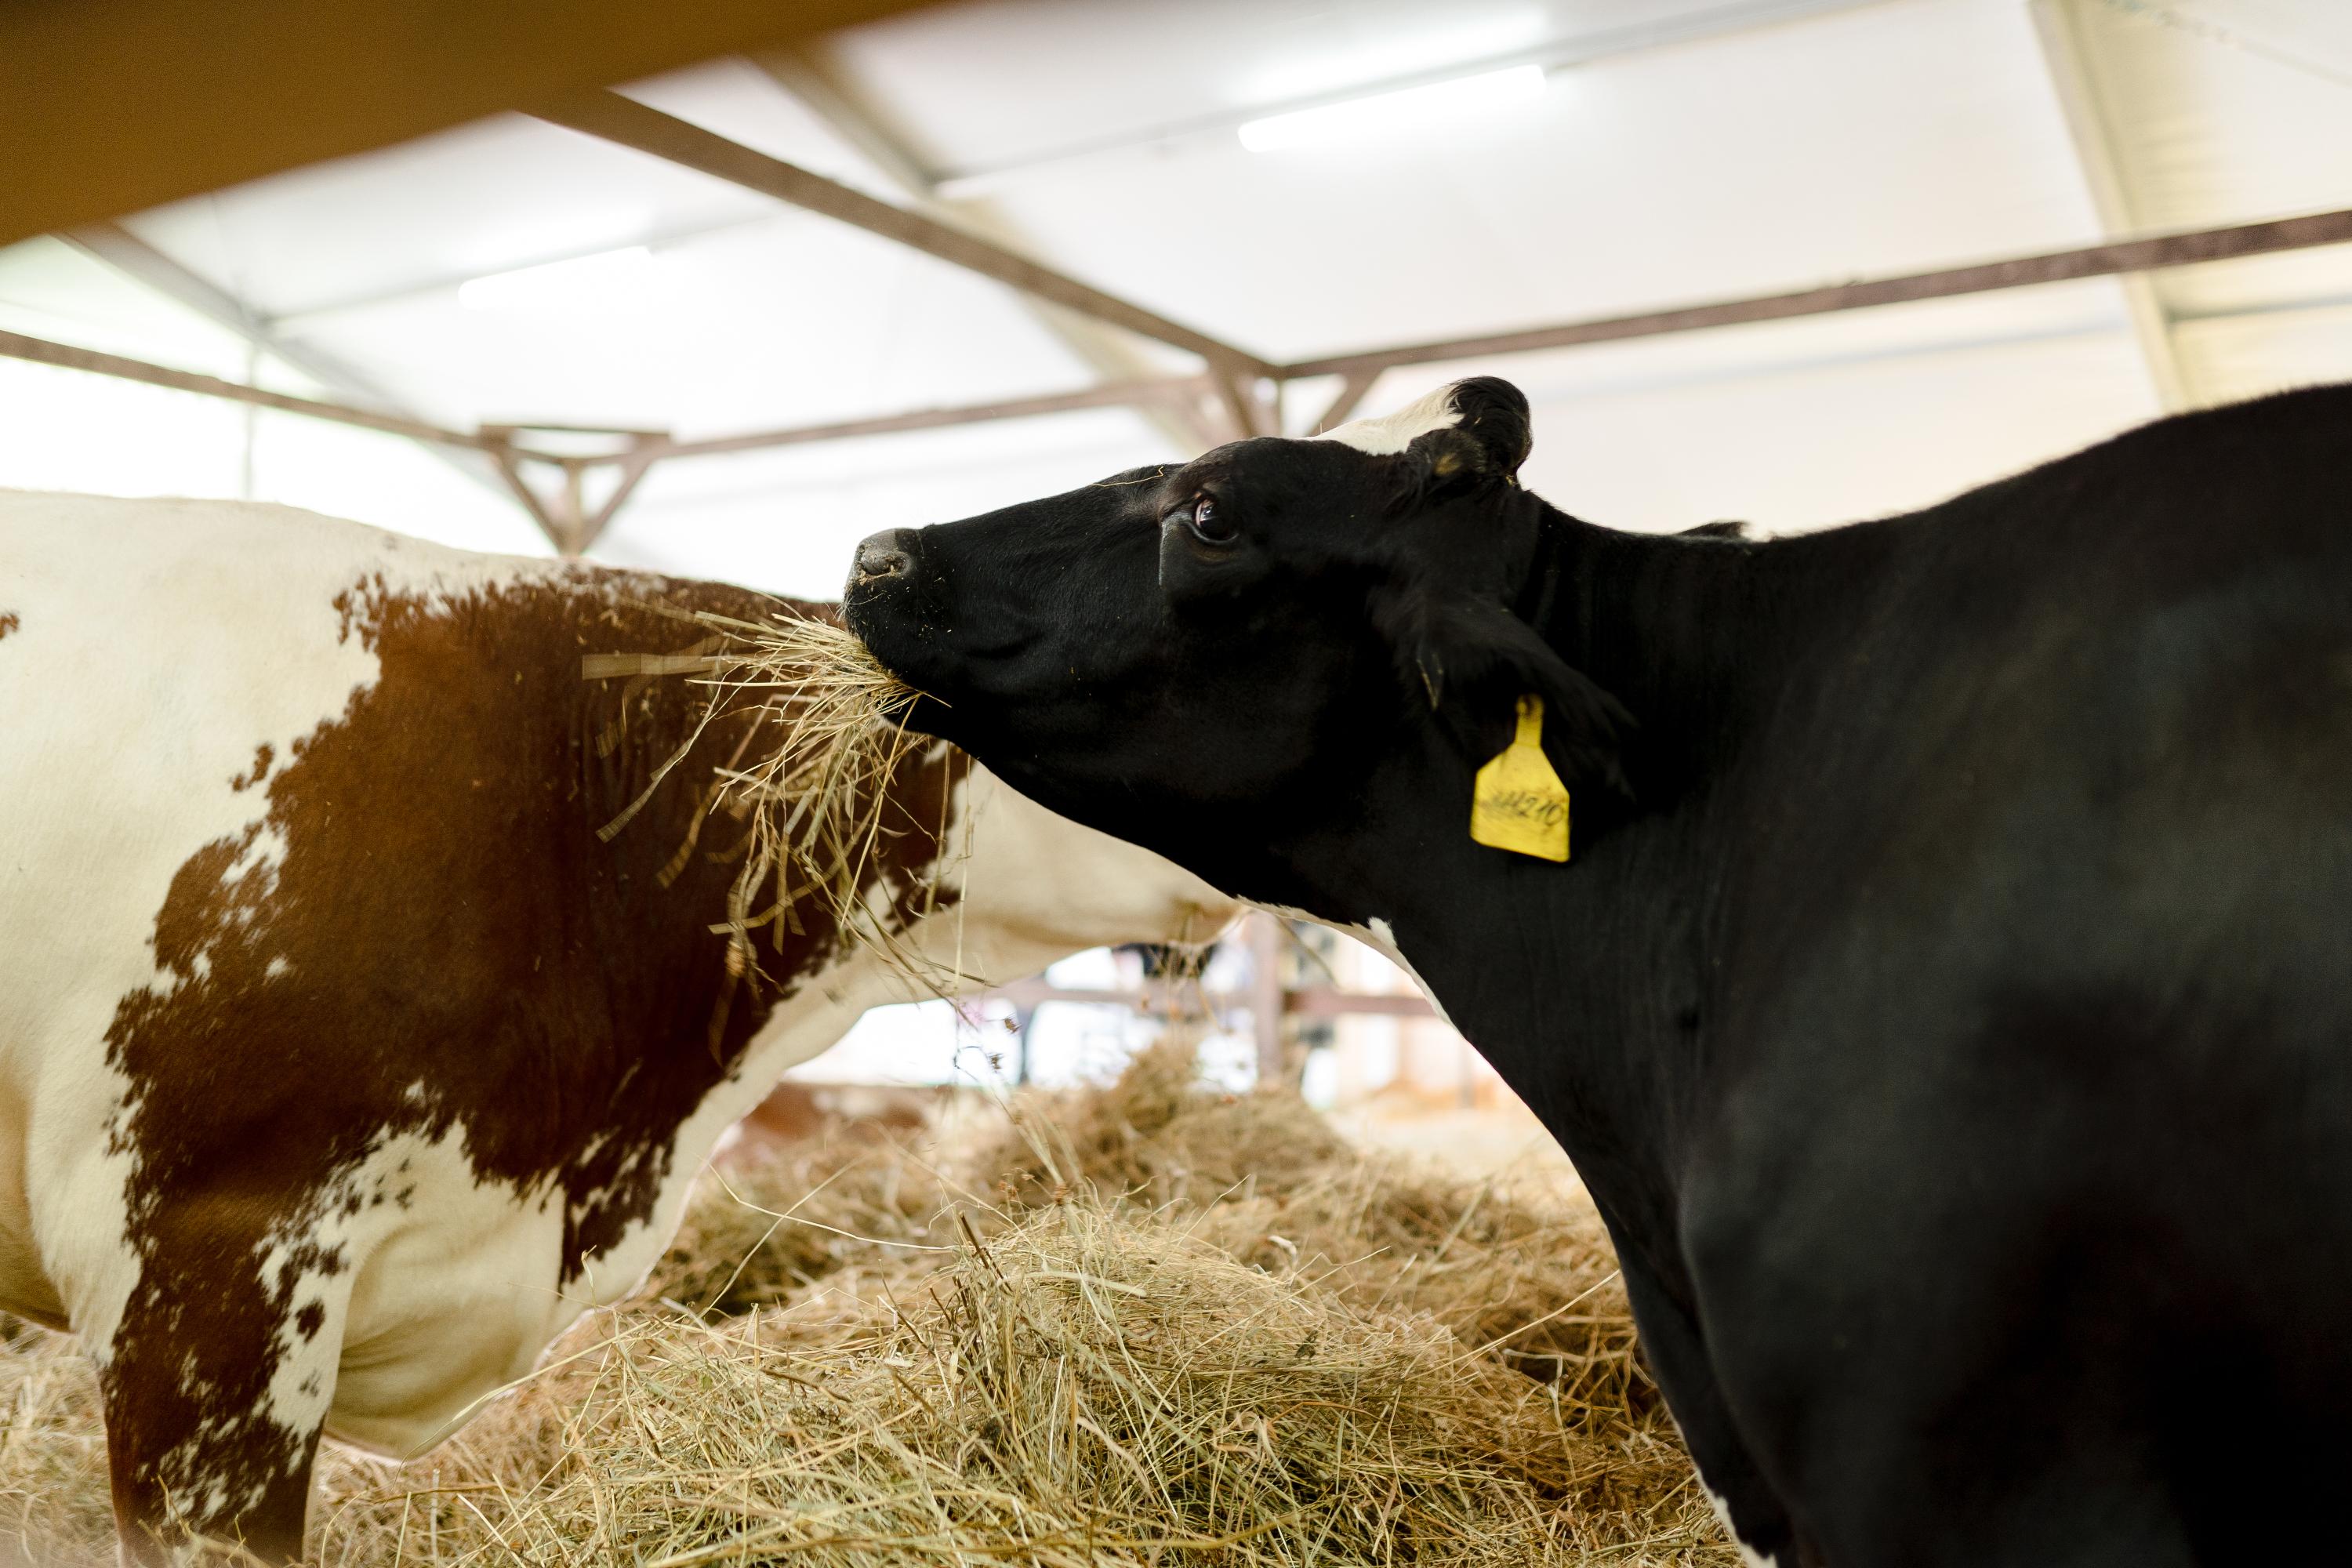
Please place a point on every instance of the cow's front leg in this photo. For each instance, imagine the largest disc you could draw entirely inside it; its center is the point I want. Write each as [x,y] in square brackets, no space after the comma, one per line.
[1750,1510]
[215,1386]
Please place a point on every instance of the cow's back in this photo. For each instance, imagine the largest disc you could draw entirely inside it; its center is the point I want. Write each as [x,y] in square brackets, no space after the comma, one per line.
[2054,847]
[2096,709]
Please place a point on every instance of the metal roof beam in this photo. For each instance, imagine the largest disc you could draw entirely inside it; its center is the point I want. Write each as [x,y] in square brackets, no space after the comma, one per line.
[1356,370]
[566,518]
[132,257]
[1354,387]
[570,528]
[624,122]
[1105,352]
[40,350]
[2106,260]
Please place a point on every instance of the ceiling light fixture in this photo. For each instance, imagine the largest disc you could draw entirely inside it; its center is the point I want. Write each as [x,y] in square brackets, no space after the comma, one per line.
[1387,113]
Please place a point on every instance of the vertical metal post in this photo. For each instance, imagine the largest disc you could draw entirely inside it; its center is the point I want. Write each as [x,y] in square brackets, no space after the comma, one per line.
[248,468]
[1268,998]
[1343,402]
[573,520]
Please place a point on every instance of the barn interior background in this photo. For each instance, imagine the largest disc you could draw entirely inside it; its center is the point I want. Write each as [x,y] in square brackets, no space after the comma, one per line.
[737,315]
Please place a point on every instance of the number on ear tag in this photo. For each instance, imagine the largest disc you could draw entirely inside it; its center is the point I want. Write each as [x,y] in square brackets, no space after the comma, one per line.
[1518,802]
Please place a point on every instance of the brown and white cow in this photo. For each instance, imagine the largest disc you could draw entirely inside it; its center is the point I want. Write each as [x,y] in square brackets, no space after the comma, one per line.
[342,1066]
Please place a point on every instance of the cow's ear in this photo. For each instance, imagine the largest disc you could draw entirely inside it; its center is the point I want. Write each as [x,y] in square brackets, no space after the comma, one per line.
[1491,436]
[1471,661]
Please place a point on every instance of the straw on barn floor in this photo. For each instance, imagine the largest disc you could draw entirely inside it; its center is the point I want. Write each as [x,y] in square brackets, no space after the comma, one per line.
[1287,1371]
[771,1224]
[1086,1387]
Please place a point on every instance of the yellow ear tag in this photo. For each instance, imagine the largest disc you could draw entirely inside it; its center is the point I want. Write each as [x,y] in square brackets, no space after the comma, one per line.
[1518,802]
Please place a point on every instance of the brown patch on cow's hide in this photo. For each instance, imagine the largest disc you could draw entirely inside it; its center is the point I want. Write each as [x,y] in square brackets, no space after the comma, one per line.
[263,755]
[9,623]
[441,941]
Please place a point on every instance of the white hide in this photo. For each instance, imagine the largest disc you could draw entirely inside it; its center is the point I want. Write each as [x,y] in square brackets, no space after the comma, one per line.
[156,646]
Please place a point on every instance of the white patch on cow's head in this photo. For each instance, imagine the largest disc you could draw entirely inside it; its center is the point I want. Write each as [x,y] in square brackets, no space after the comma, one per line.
[1393,433]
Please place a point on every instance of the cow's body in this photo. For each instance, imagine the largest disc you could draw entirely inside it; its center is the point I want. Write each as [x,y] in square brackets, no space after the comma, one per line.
[341,1065]
[1951,1015]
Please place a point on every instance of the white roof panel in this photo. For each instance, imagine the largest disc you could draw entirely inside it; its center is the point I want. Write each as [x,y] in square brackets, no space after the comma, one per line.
[1682,150]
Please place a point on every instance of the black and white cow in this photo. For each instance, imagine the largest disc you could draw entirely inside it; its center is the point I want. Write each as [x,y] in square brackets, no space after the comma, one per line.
[342,1063]
[1948,1000]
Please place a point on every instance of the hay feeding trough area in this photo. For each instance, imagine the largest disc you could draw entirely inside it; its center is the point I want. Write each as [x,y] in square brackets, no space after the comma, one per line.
[1146,1324]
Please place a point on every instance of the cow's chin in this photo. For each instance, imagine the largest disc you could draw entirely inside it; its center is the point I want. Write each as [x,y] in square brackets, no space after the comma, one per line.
[865,611]
[933,709]
[963,694]
[922,714]
[882,626]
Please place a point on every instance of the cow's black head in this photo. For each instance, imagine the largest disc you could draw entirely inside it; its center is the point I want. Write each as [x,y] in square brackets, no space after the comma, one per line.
[1228,650]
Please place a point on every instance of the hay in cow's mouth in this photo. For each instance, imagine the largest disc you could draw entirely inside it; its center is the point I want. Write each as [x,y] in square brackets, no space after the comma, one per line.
[808,780]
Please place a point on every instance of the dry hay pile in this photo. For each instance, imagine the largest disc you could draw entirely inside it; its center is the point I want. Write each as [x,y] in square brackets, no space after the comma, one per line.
[767,1226]
[1526,1274]
[1158,1136]
[54,1506]
[1094,1339]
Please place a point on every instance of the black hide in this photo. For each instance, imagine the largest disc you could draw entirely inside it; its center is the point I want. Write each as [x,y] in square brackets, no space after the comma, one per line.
[1949,999]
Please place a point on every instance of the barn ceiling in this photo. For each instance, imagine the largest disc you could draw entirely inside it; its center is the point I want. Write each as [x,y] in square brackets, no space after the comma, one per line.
[1678,150]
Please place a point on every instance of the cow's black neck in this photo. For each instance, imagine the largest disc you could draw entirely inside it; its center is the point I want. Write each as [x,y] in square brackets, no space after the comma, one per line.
[1587,984]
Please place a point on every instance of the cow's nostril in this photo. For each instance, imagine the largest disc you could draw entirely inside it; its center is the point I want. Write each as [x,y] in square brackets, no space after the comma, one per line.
[883,556]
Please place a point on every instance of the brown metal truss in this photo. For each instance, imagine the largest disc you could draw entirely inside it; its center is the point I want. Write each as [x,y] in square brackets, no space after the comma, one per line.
[564,515]
[623,121]
[614,118]
[2108,260]
[1250,386]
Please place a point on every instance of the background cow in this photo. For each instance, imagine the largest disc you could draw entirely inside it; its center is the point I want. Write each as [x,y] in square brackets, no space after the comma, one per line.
[1948,1000]
[341,1063]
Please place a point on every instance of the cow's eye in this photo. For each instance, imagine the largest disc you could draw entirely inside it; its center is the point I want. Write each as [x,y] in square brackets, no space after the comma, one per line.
[1207,521]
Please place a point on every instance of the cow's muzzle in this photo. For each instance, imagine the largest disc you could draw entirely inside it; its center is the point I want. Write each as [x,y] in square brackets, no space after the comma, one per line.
[878,604]
[886,555]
